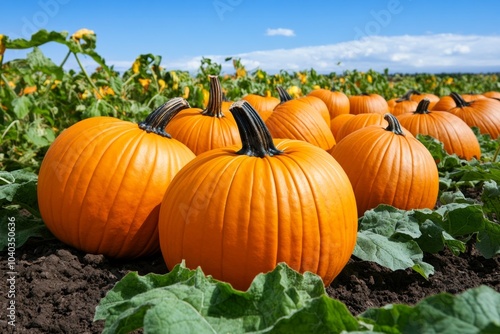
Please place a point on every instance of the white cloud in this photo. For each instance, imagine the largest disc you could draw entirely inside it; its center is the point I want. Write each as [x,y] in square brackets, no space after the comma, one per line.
[408,54]
[280,32]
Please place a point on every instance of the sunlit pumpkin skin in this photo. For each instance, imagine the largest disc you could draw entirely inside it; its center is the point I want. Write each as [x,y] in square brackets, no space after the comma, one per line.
[482,113]
[263,104]
[388,166]
[456,136]
[492,95]
[403,104]
[368,103]
[205,129]
[313,101]
[337,102]
[295,119]
[360,121]
[237,212]
[102,181]
[338,122]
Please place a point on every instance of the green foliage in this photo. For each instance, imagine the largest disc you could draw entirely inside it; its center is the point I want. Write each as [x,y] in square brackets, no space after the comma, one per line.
[281,301]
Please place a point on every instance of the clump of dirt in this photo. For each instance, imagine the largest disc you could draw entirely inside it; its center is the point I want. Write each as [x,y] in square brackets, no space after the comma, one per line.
[58,287]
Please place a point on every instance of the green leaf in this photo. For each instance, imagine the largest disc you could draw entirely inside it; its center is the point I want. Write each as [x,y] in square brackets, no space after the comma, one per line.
[186,301]
[461,219]
[37,39]
[491,199]
[22,106]
[38,62]
[488,240]
[474,311]
[23,225]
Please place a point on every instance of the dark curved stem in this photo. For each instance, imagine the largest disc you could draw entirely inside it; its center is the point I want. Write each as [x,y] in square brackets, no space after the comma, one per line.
[394,125]
[215,98]
[459,101]
[423,107]
[158,119]
[283,94]
[407,96]
[255,137]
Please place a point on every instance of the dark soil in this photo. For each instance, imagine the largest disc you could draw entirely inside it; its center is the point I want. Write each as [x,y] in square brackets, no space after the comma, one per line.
[58,288]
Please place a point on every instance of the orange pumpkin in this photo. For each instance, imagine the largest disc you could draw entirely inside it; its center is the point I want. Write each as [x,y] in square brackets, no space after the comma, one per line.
[493,95]
[296,119]
[263,104]
[368,103]
[337,102]
[338,122]
[388,166]
[313,101]
[205,129]
[102,181]
[403,104]
[238,211]
[360,121]
[418,96]
[481,113]
[457,137]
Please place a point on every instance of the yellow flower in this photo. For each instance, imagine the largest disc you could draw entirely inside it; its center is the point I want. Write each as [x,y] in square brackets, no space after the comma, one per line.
[369,78]
[316,87]
[206,95]
[145,82]
[294,91]
[302,77]
[342,80]
[186,92]
[260,75]
[267,93]
[162,84]
[449,81]
[241,72]
[136,65]
[80,33]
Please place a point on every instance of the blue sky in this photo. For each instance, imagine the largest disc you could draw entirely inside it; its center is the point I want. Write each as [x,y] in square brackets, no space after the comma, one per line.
[402,35]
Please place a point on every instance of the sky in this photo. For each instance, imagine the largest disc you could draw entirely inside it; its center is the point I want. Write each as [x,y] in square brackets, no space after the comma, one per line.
[405,36]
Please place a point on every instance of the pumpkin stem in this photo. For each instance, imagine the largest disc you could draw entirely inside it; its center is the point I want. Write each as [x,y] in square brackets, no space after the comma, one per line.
[459,101]
[423,107]
[158,119]
[283,95]
[394,124]
[215,98]
[255,137]
[406,96]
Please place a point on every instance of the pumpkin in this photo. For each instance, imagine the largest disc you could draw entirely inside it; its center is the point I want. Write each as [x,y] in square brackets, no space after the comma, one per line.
[388,166]
[263,104]
[313,101]
[337,102]
[368,103]
[338,122]
[492,94]
[418,96]
[360,121]
[403,104]
[238,211]
[296,119]
[457,137]
[205,129]
[102,180]
[482,113]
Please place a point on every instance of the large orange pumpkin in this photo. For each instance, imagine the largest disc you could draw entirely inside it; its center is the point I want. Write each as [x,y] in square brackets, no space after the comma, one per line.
[313,101]
[368,103]
[238,211]
[402,104]
[360,121]
[388,166]
[263,104]
[205,129]
[102,181]
[457,137]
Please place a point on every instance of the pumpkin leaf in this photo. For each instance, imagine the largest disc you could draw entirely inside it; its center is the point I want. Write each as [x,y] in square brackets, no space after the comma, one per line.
[474,311]
[187,301]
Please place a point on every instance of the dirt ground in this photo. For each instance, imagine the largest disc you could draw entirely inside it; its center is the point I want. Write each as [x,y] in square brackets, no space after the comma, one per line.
[58,288]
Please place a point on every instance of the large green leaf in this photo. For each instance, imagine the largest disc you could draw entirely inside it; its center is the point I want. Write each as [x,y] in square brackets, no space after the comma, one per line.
[187,301]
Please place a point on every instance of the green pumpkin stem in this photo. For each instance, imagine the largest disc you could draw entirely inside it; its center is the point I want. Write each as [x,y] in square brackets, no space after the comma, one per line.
[283,95]
[158,119]
[459,101]
[215,98]
[394,125]
[423,107]
[255,137]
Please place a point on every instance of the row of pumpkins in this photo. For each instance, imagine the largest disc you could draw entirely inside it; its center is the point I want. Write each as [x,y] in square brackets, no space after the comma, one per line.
[238,187]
